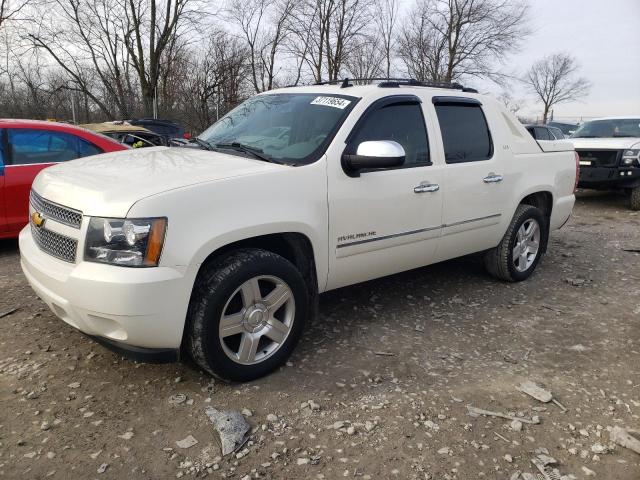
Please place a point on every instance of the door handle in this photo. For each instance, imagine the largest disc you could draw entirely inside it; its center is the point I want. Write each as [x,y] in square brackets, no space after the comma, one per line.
[493,178]
[426,187]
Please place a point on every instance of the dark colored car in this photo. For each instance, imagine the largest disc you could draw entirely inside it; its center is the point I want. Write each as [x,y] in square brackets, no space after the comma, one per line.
[166,128]
[567,128]
[544,132]
[28,146]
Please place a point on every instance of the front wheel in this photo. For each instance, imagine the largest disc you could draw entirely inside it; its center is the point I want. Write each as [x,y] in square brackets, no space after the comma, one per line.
[246,314]
[520,250]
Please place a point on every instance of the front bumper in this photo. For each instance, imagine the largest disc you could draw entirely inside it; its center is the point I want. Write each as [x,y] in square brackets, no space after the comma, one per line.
[609,177]
[130,309]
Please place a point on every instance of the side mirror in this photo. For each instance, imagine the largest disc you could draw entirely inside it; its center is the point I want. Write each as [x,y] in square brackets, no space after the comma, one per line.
[374,155]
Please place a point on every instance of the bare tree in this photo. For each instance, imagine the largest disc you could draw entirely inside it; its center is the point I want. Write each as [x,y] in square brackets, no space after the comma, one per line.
[215,79]
[366,59]
[265,27]
[115,52]
[554,80]
[150,27]
[86,40]
[328,31]
[445,40]
[11,8]
[386,17]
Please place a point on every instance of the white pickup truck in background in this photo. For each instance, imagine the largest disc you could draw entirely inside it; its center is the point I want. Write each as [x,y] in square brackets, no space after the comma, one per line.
[609,152]
[221,251]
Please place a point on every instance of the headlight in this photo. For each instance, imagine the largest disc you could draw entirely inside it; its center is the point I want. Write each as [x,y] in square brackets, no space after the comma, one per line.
[631,157]
[130,242]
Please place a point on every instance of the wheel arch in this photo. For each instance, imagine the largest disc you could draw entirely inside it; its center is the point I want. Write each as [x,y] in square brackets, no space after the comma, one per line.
[296,247]
[543,200]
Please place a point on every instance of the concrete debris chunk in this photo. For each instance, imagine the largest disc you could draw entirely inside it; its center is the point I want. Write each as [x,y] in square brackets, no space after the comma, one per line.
[232,428]
[474,412]
[535,391]
[187,442]
[626,438]
[516,425]
[539,393]
[547,460]
[177,399]
[544,465]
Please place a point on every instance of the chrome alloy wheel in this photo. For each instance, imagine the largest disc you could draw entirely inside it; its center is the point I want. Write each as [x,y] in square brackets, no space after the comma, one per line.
[527,245]
[257,319]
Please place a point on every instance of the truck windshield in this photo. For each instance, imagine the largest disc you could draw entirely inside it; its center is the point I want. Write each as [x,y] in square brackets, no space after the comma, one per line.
[623,127]
[292,128]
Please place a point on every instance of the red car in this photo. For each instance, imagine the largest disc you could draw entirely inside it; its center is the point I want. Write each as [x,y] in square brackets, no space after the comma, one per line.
[28,146]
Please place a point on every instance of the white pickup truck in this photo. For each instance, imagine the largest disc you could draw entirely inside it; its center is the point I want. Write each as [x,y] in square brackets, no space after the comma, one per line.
[609,151]
[221,251]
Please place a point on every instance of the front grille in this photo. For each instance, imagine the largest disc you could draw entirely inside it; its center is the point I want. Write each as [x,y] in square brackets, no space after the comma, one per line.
[59,246]
[59,213]
[599,158]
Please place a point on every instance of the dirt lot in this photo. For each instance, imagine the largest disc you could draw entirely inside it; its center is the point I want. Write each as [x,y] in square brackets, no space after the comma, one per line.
[392,365]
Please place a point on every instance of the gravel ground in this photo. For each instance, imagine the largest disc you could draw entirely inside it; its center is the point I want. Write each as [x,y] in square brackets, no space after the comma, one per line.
[378,388]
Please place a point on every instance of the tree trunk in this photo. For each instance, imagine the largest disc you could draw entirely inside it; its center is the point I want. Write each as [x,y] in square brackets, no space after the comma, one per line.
[546,114]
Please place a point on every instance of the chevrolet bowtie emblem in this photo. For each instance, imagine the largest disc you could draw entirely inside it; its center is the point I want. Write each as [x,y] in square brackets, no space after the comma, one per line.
[37,219]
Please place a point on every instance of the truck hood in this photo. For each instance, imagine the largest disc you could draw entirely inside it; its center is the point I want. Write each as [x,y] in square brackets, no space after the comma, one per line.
[605,143]
[109,184]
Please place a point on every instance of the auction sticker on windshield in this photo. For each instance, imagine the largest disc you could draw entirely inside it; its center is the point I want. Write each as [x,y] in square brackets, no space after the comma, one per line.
[335,102]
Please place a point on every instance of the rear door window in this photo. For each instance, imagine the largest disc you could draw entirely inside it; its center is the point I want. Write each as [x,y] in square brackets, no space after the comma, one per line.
[86,149]
[465,132]
[32,146]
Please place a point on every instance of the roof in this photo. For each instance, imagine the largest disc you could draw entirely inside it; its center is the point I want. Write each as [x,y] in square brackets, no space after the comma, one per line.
[374,89]
[36,122]
[114,127]
[623,117]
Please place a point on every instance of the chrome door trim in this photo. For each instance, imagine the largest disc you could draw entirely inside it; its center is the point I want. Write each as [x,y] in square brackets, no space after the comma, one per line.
[387,237]
[487,217]
[413,232]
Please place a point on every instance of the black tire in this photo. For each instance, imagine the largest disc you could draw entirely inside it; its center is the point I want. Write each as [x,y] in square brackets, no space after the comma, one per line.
[499,260]
[215,285]
[635,199]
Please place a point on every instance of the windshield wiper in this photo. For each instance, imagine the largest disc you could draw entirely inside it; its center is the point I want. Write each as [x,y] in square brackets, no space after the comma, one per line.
[202,143]
[624,136]
[584,136]
[240,147]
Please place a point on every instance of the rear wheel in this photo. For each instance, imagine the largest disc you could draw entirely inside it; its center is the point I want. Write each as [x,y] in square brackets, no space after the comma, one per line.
[520,250]
[246,315]
[635,198]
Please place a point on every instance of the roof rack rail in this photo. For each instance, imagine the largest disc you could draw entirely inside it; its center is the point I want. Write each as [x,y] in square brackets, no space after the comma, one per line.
[386,82]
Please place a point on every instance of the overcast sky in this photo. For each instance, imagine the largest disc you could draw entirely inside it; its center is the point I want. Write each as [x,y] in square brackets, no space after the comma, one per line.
[604,37]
